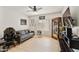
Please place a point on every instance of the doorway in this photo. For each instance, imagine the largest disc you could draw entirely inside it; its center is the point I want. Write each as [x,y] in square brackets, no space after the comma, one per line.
[56,27]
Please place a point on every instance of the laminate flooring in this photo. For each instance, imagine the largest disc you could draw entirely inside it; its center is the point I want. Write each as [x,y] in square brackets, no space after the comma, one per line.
[38,44]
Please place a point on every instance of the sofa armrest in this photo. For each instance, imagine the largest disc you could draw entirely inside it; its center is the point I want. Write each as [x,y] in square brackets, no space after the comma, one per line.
[18,33]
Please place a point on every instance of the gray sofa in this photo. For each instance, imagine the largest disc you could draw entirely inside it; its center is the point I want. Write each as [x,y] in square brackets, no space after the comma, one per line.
[23,35]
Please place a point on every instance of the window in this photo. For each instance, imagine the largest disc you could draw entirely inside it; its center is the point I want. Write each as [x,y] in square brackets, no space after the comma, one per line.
[23,22]
[41,17]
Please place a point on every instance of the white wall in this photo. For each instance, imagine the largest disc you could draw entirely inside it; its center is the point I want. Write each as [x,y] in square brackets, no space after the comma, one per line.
[11,18]
[64,9]
[74,12]
[1,18]
[44,25]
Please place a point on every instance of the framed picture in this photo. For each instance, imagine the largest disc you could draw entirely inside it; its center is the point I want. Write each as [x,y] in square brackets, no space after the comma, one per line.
[41,17]
[23,22]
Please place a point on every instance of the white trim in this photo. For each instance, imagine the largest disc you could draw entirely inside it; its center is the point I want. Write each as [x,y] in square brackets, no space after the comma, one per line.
[64,9]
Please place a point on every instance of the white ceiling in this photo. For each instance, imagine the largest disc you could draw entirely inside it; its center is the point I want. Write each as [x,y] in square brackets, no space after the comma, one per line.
[44,10]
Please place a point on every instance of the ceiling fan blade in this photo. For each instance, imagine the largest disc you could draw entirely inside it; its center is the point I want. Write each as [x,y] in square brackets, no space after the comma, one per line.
[30,7]
[39,8]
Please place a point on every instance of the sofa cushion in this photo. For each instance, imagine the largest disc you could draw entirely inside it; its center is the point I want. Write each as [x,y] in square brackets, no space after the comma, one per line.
[31,34]
[27,31]
[24,36]
[22,32]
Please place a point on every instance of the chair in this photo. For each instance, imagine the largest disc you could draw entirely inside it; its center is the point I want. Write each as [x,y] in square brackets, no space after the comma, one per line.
[9,37]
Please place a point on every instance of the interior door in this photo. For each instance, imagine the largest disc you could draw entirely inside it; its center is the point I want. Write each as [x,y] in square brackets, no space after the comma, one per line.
[56,27]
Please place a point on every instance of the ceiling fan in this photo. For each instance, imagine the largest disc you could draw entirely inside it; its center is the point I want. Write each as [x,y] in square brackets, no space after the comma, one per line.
[35,8]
